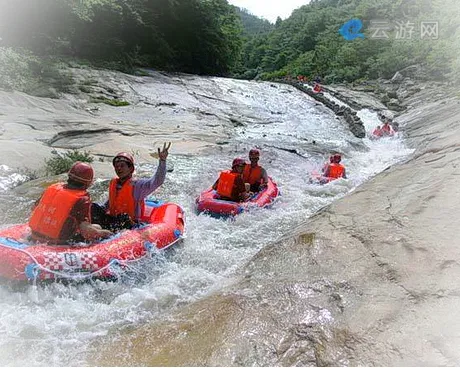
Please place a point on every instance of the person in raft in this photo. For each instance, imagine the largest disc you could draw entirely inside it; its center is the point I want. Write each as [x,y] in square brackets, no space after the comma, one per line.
[125,205]
[62,215]
[387,130]
[230,185]
[377,133]
[326,165]
[254,174]
[335,169]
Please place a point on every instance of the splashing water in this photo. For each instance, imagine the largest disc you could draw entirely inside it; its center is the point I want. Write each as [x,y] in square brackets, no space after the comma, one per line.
[55,324]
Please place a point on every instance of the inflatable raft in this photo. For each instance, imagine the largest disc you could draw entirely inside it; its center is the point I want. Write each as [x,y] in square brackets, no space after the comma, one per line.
[375,137]
[209,201]
[317,178]
[163,225]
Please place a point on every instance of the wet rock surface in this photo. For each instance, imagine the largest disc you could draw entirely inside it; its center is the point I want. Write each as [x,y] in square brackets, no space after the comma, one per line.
[389,253]
[394,94]
[197,112]
[370,280]
[344,112]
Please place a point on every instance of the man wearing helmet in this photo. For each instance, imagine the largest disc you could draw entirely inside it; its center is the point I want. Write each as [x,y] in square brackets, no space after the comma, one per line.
[254,174]
[335,169]
[230,185]
[62,214]
[125,205]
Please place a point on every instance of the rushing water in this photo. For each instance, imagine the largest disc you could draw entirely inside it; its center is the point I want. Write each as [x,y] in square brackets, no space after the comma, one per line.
[55,324]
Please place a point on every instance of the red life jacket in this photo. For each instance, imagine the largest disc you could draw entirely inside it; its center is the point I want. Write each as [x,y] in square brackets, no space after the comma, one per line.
[54,208]
[252,175]
[336,171]
[226,183]
[377,132]
[317,88]
[386,129]
[122,200]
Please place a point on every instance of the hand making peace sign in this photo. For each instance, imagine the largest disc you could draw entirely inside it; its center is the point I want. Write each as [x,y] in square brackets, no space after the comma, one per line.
[163,154]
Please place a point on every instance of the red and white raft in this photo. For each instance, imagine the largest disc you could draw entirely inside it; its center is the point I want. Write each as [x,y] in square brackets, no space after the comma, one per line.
[209,201]
[163,225]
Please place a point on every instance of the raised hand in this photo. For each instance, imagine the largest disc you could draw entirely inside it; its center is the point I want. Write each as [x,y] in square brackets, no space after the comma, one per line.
[163,154]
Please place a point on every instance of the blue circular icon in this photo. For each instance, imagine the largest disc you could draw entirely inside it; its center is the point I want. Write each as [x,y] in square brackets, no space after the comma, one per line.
[350,30]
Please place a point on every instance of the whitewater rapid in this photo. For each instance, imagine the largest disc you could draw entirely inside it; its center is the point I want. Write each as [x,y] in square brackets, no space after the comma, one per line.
[55,325]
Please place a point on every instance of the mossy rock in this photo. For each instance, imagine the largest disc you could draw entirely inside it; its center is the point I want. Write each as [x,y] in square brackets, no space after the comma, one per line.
[111,102]
[84,88]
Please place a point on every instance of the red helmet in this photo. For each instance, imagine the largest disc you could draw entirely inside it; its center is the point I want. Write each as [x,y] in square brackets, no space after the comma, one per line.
[124,156]
[238,161]
[81,172]
[337,158]
[254,152]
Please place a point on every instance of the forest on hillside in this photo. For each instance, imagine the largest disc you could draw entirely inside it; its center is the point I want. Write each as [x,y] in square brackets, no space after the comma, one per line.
[211,37]
[397,33]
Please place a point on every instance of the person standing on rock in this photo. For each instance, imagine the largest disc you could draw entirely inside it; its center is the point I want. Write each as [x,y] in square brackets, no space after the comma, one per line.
[254,174]
[63,213]
[125,206]
[317,85]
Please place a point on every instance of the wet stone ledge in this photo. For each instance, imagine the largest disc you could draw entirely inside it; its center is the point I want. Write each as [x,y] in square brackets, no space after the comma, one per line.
[345,113]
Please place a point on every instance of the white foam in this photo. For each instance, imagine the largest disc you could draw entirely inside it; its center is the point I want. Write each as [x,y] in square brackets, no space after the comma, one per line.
[55,325]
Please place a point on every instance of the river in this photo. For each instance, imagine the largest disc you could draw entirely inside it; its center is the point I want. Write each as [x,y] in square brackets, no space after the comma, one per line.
[55,325]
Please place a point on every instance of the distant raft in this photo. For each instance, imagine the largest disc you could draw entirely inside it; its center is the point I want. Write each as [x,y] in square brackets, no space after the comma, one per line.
[316,178]
[162,226]
[209,201]
[376,135]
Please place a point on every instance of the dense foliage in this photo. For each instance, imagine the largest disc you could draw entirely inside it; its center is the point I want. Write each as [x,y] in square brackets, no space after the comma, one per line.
[255,31]
[308,42]
[195,36]
[214,38]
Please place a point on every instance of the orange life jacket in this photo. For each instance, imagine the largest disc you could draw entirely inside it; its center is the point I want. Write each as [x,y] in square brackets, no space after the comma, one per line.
[226,183]
[49,216]
[252,175]
[336,170]
[122,200]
